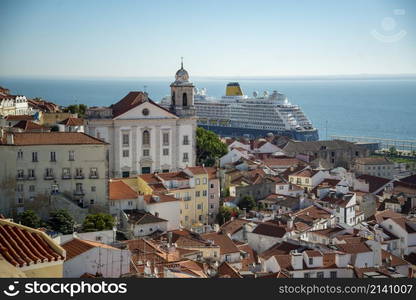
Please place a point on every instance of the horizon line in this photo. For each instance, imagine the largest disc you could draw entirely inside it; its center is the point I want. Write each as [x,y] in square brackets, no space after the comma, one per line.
[299,76]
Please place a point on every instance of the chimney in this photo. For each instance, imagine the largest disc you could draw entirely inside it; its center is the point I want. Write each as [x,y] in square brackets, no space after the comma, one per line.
[10,138]
[296,260]
[290,222]
[170,239]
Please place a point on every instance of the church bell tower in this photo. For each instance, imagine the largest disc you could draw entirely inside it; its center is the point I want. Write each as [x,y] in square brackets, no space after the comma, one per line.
[182,94]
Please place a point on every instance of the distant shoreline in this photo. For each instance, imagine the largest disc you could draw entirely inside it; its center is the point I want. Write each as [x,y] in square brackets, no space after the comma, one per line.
[231,77]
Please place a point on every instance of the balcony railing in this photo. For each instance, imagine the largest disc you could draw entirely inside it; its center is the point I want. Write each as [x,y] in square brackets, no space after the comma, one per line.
[66,176]
[49,177]
[94,176]
[187,198]
[79,176]
[79,192]
[31,177]
[20,177]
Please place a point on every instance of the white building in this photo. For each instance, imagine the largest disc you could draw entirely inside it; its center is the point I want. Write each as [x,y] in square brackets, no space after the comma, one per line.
[403,229]
[14,105]
[71,125]
[343,206]
[122,197]
[146,137]
[310,264]
[95,258]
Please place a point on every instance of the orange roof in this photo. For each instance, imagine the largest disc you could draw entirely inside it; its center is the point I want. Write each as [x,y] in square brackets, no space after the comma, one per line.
[130,101]
[28,125]
[77,246]
[197,170]
[225,270]
[54,138]
[121,191]
[306,173]
[23,247]
[222,240]
[18,117]
[212,172]
[72,122]
[174,176]
[313,253]
[161,198]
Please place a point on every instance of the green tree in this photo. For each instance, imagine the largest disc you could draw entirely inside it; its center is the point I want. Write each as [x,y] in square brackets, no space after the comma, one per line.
[79,109]
[225,213]
[393,151]
[98,222]
[29,218]
[208,147]
[247,202]
[61,221]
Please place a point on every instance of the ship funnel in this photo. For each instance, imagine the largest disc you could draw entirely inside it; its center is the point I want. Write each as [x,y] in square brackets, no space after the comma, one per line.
[233,89]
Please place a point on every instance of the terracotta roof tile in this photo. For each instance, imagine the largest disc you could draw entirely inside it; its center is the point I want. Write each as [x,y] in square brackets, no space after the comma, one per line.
[54,138]
[28,125]
[119,190]
[375,183]
[278,249]
[130,101]
[225,270]
[270,230]
[222,240]
[373,161]
[72,122]
[19,117]
[21,246]
[159,198]
[353,248]
[232,226]
[77,246]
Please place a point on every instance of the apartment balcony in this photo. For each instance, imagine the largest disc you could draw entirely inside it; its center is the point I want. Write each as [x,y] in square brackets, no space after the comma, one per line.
[79,176]
[94,176]
[79,193]
[66,176]
[31,178]
[49,177]
[20,177]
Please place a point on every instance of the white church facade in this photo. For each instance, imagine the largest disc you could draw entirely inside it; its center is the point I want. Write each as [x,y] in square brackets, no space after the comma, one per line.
[145,137]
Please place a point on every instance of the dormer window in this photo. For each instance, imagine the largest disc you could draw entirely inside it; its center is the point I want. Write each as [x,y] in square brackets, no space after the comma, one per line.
[311,260]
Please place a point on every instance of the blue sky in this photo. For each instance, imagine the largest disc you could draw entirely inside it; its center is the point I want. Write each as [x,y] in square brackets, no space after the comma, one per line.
[124,38]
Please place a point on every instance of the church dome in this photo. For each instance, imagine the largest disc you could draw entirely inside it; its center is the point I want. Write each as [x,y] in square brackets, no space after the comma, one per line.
[182,75]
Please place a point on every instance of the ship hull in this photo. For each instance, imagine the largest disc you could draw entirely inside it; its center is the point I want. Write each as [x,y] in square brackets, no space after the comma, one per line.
[309,135]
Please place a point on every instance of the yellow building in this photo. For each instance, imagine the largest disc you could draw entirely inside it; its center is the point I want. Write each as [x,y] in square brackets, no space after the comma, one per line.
[23,255]
[190,185]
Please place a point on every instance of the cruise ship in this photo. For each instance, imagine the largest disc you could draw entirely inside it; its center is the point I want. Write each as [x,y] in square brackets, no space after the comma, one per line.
[237,115]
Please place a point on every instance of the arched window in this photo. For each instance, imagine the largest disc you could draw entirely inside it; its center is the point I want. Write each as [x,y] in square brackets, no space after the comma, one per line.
[173,98]
[185,99]
[146,137]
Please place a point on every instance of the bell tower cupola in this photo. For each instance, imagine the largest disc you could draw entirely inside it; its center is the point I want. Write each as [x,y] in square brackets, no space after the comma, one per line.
[182,94]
